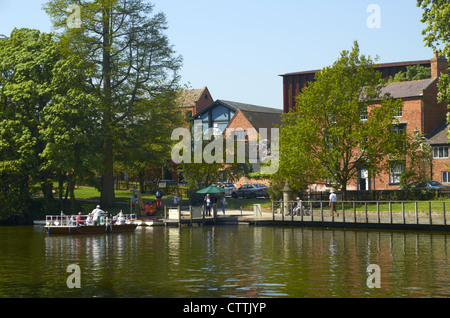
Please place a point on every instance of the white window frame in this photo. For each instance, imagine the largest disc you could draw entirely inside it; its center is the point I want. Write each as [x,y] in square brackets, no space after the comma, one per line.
[441,152]
[399,113]
[395,172]
[445,177]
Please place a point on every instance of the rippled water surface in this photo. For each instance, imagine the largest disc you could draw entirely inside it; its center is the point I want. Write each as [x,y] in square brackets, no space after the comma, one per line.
[226,261]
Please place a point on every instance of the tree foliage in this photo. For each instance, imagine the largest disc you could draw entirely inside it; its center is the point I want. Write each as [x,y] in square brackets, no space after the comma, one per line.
[341,123]
[436,17]
[413,73]
[44,117]
[132,61]
[419,159]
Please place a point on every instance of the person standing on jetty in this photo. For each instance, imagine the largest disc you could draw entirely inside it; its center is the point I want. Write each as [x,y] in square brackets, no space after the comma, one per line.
[333,200]
[223,203]
[207,205]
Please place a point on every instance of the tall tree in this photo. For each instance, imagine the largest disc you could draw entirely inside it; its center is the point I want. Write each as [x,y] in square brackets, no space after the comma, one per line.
[336,128]
[133,61]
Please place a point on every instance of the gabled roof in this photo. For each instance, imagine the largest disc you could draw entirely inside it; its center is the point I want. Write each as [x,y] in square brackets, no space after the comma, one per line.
[241,106]
[260,120]
[263,120]
[189,97]
[407,89]
[439,134]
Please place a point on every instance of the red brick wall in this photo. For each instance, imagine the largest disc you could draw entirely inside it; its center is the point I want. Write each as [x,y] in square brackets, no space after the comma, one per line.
[239,121]
[434,112]
[204,101]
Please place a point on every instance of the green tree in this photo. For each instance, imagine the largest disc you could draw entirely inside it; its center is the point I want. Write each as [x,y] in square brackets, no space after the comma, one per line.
[132,59]
[436,16]
[26,63]
[146,142]
[336,128]
[42,106]
[413,73]
[419,159]
[69,127]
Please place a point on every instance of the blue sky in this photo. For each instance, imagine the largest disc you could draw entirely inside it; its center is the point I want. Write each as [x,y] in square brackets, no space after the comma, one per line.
[238,49]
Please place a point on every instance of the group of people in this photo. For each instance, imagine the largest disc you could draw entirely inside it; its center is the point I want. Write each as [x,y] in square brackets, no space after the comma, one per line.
[211,203]
[94,217]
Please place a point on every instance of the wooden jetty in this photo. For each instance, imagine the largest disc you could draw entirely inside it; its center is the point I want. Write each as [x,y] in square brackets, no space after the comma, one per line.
[415,216]
[196,216]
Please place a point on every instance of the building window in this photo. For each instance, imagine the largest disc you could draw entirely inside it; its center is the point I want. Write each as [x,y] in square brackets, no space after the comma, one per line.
[363,114]
[445,177]
[400,129]
[395,172]
[440,152]
[399,113]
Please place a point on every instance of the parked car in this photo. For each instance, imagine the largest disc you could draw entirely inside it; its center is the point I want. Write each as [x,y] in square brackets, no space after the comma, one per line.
[424,185]
[251,190]
[227,186]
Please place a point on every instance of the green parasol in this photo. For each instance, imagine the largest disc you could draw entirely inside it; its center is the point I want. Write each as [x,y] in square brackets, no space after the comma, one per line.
[212,189]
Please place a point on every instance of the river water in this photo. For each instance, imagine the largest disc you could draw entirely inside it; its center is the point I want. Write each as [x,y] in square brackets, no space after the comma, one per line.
[224,261]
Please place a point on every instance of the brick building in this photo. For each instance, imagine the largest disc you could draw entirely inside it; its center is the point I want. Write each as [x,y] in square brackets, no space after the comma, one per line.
[192,101]
[257,119]
[421,112]
[224,114]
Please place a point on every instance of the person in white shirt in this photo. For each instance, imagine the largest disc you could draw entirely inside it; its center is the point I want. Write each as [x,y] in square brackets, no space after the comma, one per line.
[96,214]
[299,208]
[120,219]
[89,220]
[333,200]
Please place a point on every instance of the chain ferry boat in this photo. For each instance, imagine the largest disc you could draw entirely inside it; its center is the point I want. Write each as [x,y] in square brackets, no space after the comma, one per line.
[83,224]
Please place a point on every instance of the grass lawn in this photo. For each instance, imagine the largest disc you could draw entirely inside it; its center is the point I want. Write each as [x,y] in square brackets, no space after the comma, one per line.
[247,204]
[123,197]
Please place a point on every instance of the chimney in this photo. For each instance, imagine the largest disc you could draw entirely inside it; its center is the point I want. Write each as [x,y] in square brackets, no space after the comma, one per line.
[439,64]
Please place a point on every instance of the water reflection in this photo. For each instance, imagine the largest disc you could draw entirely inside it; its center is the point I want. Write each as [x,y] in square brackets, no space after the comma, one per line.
[228,261]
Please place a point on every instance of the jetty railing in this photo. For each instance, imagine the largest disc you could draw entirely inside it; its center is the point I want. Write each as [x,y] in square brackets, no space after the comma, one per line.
[379,212]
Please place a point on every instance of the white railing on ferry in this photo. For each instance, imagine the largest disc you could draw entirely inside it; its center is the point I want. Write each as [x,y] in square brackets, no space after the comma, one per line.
[71,220]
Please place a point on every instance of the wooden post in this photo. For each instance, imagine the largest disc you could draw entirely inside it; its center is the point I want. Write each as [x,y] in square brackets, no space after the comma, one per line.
[416,212]
[429,211]
[403,212]
[311,211]
[378,212]
[343,211]
[354,212]
[273,213]
[367,216]
[390,211]
[291,208]
[321,209]
[443,211]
